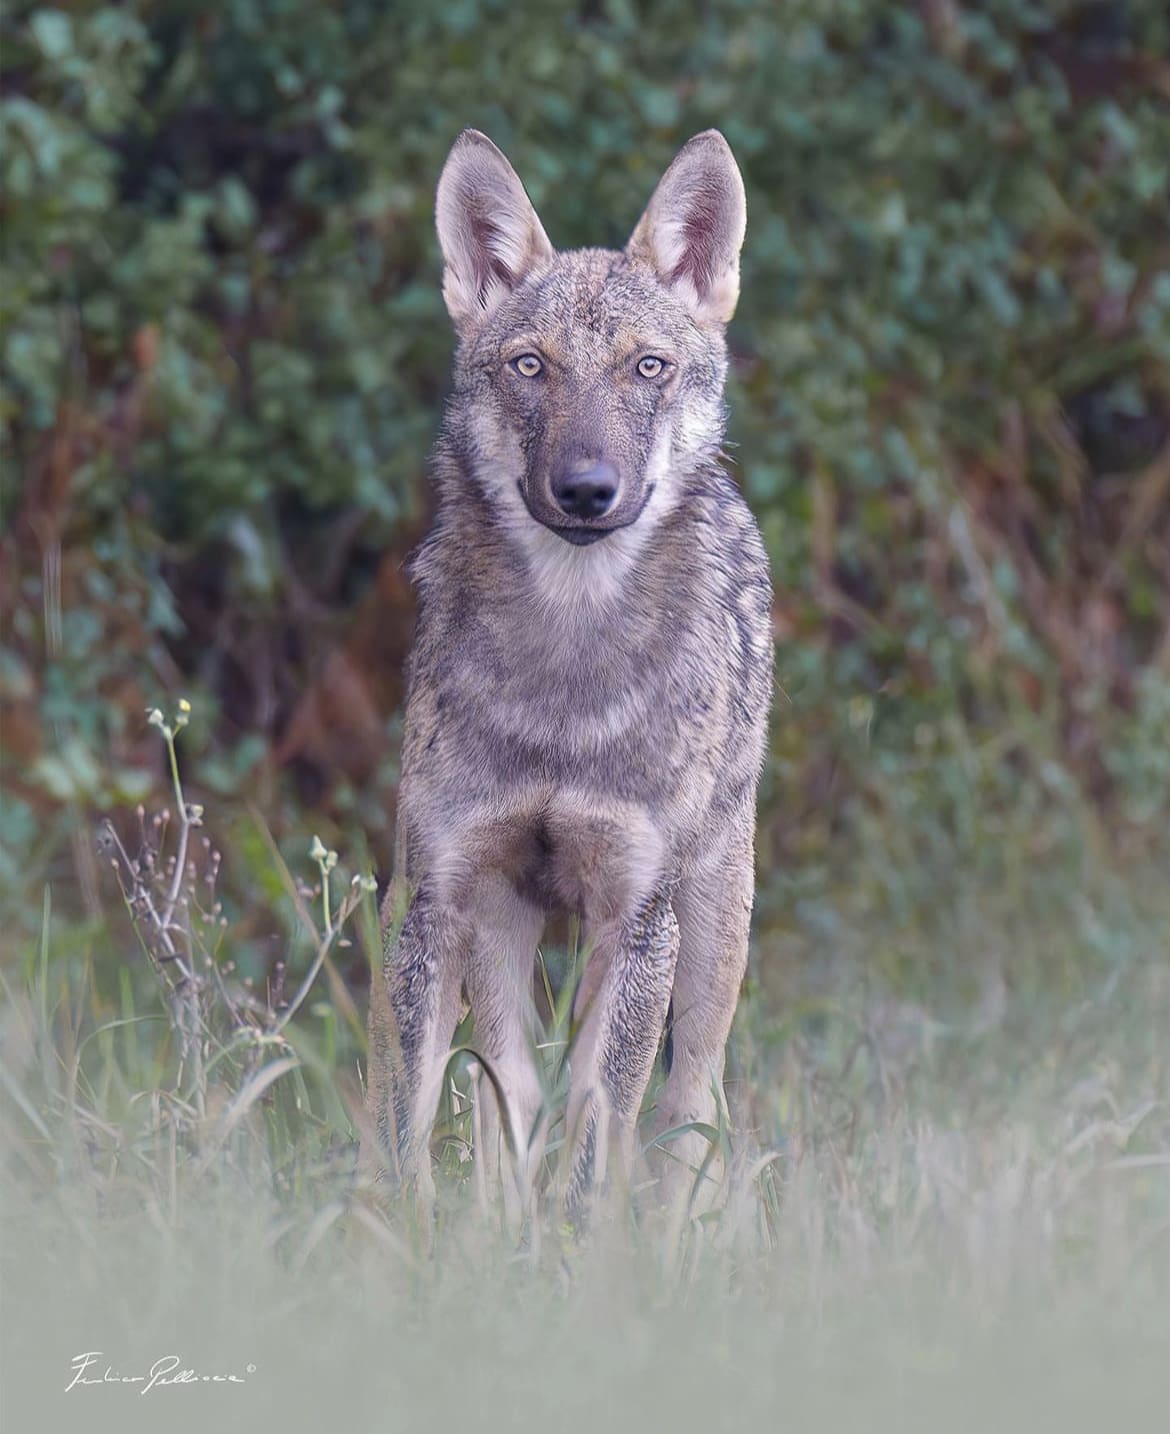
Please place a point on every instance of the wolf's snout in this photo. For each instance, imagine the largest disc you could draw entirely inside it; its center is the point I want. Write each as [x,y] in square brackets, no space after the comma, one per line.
[588,493]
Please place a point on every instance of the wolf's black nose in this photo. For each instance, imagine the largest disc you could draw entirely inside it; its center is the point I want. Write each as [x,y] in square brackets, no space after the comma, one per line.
[587,494]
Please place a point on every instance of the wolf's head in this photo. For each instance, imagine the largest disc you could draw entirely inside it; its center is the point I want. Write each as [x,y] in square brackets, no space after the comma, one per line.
[588,383]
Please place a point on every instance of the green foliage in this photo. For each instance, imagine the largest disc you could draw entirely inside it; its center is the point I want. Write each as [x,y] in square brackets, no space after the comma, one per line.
[224,352]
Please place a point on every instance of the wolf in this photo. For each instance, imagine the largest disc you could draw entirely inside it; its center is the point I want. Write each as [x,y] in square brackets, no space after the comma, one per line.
[590,683]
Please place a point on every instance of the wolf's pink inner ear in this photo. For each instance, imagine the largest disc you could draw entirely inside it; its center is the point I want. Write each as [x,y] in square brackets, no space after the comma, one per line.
[489,232]
[693,228]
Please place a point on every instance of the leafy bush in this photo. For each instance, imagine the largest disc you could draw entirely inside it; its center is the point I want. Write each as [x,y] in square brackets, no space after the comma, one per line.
[224,355]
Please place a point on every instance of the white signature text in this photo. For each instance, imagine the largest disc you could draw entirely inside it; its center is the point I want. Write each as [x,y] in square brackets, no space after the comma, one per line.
[162,1372]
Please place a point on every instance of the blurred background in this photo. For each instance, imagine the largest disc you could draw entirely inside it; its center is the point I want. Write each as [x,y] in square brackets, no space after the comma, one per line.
[225,356]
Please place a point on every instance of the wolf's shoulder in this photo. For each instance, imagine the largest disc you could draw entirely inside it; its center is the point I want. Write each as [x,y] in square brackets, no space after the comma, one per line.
[718,515]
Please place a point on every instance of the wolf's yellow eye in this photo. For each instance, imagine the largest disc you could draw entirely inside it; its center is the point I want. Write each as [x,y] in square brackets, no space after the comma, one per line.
[650,367]
[528,365]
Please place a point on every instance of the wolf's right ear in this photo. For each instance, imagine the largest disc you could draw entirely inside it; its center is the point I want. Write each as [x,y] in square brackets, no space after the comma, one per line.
[488,230]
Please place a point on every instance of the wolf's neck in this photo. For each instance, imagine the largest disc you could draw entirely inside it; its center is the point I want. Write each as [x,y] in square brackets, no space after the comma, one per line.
[513,566]
[586,583]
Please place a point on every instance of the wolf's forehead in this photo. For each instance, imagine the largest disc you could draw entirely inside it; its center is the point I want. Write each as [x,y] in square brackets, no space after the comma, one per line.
[594,299]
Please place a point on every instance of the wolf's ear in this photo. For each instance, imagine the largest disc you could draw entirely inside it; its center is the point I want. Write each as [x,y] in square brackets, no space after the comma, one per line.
[693,227]
[488,230]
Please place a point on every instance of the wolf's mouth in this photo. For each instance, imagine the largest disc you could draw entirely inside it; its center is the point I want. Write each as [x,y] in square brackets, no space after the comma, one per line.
[581,537]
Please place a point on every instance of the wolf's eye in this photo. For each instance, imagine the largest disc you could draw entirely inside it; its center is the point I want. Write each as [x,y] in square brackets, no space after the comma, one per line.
[650,367]
[527,365]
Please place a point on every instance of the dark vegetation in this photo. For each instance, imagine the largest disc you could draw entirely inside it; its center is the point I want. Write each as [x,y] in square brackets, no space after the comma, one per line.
[225,353]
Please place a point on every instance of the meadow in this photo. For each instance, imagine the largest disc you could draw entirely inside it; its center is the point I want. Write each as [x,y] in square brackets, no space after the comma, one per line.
[946,1200]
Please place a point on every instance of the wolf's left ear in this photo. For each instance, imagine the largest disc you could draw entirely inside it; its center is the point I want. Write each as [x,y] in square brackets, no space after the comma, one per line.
[693,227]
[489,232]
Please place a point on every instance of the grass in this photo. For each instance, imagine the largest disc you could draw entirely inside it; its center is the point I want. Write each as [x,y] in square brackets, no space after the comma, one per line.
[948,1207]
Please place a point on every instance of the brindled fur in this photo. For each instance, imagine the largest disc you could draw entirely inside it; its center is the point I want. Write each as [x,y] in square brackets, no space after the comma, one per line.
[585,721]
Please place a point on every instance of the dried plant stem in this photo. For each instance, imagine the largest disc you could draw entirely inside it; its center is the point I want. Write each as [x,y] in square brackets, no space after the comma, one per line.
[332,931]
[174,927]
[185,824]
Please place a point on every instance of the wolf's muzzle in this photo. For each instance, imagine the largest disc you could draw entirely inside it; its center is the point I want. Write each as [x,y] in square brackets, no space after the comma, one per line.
[587,493]
[582,533]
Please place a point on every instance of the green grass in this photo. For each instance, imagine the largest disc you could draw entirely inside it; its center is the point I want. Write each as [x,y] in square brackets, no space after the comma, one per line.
[949,1206]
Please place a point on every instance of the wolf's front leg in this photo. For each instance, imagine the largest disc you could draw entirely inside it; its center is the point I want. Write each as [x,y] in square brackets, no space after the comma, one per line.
[714,913]
[412,1020]
[499,986]
[613,1055]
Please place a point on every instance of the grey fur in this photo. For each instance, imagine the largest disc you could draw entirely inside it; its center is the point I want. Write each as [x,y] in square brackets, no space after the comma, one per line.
[588,698]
